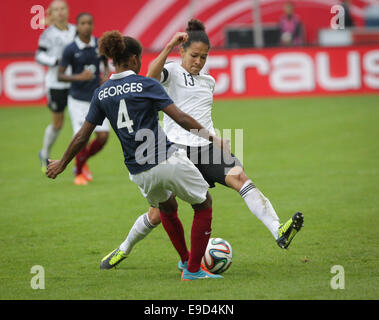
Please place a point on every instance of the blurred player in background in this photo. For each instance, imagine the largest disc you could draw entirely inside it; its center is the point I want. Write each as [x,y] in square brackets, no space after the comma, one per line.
[83,57]
[131,103]
[192,91]
[50,48]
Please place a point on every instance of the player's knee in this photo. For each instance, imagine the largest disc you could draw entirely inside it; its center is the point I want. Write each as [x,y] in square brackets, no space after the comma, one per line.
[236,177]
[58,124]
[102,137]
[209,200]
[57,120]
[242,177]
[207,204]
[154,216]
[169,206]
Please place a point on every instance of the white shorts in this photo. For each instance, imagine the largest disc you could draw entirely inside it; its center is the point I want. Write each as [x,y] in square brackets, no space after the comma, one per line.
[78,110]
[177,175]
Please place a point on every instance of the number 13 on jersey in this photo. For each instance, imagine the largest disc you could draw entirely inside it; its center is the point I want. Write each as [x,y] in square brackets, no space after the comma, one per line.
[123,120]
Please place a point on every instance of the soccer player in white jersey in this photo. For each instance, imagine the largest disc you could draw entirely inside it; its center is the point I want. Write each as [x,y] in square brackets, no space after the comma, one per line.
[192,91]
[51,44]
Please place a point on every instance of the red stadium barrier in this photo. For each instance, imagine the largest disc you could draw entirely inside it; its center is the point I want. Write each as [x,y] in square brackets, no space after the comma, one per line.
[154,22]
[238,73]
[287,72]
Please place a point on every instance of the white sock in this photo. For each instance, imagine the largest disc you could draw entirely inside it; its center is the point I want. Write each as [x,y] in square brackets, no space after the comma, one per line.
[260,206]
[141,228]
[49,138]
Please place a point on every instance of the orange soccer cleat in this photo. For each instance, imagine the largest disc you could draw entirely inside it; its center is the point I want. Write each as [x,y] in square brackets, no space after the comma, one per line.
[86,172]
[80,180]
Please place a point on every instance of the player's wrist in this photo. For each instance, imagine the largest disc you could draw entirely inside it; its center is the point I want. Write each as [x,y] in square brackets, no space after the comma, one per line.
[170,46]
[62,165]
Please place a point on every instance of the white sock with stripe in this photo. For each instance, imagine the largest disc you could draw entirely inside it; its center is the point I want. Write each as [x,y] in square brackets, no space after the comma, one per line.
[141,228]
[260,206]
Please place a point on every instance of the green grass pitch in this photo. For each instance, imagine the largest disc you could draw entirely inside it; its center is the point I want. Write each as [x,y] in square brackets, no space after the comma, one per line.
[315,155]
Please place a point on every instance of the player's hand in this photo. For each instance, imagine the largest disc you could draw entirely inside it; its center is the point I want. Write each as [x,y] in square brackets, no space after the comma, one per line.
[178,38]
[54,168]
[85,75]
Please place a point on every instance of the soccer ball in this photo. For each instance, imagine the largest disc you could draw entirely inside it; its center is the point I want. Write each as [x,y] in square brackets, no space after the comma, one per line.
[218,256]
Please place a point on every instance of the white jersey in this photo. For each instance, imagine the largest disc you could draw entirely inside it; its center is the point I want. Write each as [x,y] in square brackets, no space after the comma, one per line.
[193,94]
[50,49]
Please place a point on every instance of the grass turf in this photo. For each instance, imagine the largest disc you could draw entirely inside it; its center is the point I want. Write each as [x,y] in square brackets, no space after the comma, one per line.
[315,155]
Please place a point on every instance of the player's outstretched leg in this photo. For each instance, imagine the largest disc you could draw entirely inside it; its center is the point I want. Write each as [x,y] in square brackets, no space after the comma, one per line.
[257,203]
[262,208]
[288,230]
[112,259]
[141,228]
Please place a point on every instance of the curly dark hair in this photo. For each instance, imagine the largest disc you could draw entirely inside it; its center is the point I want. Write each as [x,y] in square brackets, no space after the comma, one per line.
[119,48]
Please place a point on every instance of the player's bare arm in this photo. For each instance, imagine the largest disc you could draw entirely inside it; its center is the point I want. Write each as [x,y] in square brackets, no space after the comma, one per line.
[188,123]
[77,143]
[157,65]
[86,75]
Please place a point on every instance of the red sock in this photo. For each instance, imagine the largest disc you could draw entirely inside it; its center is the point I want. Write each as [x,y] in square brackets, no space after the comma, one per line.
[200,233]
[94,147]
[174,229]
[85,153]
[80,160]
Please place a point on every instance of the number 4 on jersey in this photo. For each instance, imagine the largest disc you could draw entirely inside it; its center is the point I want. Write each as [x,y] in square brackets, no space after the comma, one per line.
[123,119]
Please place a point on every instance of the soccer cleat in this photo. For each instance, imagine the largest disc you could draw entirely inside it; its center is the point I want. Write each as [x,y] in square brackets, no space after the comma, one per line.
[288,230]
[112,259]
[44,162]
[199,275]
[87,173]
[182,266]
[80,180]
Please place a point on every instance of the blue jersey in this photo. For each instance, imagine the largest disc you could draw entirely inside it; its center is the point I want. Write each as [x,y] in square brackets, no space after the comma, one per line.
[131,103]
[81,56]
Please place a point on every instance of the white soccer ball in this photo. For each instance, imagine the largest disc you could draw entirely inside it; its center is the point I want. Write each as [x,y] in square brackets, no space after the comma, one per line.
[218,255]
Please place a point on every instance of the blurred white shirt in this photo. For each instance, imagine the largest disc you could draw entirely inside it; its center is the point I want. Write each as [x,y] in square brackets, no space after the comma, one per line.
[50,49]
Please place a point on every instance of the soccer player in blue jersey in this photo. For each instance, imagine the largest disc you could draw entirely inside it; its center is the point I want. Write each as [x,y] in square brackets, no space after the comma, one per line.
[160,169]
[83,57]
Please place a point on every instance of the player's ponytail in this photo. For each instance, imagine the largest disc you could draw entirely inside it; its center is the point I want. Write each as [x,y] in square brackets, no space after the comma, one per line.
[195,25]
[196,32]
[119,48]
